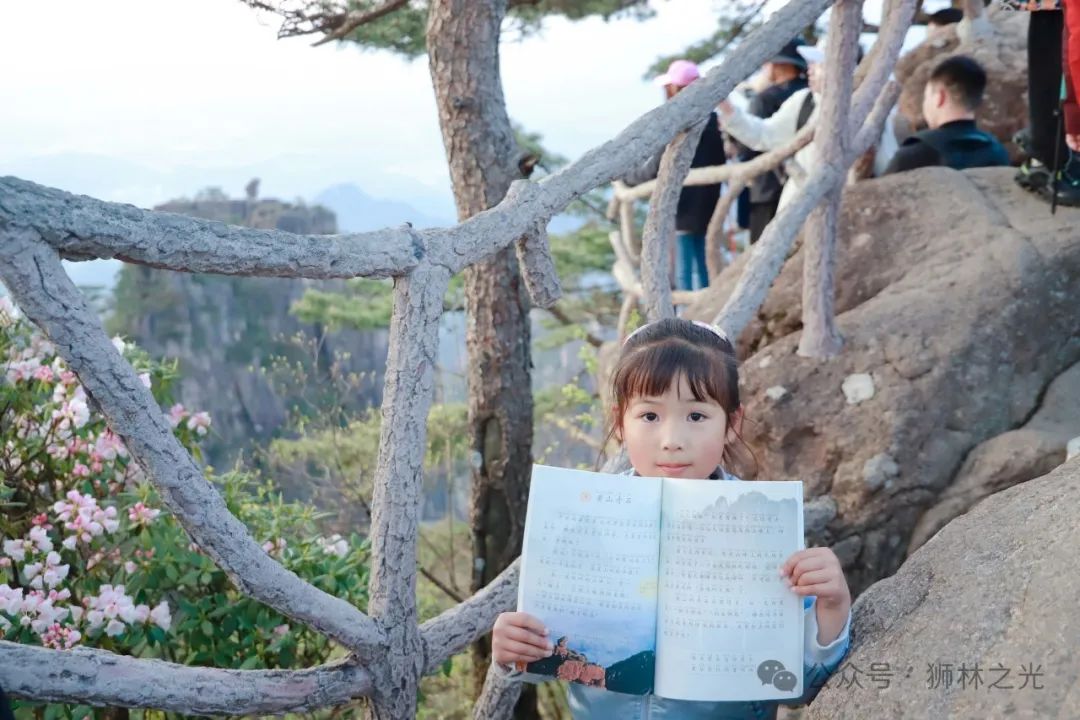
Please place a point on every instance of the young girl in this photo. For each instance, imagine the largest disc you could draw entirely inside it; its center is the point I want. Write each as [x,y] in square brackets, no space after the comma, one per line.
[677,413]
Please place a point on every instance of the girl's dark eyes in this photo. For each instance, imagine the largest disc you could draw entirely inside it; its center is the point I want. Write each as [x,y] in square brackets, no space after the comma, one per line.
[693,417]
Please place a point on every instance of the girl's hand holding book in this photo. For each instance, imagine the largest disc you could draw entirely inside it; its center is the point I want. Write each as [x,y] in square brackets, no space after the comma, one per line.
[519,638]
[817,571]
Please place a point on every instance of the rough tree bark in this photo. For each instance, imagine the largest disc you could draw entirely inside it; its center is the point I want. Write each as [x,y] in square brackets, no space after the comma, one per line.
[660,225]
[395,503]
[40,225]
[820,337]
[463,51]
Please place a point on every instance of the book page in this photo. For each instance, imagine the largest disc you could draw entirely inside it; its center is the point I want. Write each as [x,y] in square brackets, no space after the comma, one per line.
[729,629]
[588,572]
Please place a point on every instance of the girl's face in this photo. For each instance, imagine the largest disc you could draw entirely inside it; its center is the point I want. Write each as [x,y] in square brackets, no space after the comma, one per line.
[674,435]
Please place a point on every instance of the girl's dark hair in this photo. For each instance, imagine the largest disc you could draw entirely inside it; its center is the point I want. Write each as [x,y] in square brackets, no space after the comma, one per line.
[658,354]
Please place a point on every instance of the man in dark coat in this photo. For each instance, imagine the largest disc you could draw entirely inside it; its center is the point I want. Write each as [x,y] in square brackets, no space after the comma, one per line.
[952,95]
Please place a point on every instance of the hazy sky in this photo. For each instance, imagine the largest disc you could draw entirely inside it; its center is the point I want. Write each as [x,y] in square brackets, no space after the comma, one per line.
[143,100]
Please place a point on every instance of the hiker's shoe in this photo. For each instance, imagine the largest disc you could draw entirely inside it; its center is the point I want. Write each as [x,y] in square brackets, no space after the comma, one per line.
[1033,175]
[1068,187]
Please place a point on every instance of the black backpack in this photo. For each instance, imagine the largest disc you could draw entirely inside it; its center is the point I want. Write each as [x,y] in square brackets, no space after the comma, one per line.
[805,111]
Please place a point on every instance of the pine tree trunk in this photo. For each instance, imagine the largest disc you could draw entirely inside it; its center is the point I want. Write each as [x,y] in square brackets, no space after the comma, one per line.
[463,47]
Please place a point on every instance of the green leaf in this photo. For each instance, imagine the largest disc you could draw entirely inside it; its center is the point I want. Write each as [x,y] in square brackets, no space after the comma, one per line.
[251,663]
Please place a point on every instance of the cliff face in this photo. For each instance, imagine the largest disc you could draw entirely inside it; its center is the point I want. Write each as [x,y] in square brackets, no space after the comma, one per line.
[223,329]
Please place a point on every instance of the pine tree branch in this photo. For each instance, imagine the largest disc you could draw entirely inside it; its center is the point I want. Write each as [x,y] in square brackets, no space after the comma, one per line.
[455,629]
[352,21]
[85,676]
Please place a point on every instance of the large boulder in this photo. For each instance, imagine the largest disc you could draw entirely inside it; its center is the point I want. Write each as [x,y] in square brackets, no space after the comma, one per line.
[1004,56]
[957,300]
[1010,458]
[995,590]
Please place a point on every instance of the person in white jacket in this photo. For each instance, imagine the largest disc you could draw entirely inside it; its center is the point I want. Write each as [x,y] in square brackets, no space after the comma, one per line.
[764,134]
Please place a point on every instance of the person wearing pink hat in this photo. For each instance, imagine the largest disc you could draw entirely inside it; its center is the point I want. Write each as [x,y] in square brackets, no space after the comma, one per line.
[696,202]
[680,73]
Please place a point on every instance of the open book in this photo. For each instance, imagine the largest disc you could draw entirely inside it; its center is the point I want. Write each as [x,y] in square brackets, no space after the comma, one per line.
[665,586]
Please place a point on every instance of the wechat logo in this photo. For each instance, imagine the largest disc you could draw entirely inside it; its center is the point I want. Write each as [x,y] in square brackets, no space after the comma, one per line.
[772,672]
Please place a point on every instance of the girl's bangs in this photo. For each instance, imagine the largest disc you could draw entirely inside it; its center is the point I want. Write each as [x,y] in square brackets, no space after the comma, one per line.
[655,369]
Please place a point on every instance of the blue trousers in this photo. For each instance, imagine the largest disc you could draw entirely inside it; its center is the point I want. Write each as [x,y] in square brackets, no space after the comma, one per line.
[690,262]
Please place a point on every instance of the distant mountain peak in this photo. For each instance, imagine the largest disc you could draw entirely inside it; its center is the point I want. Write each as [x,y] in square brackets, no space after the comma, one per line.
[357,211]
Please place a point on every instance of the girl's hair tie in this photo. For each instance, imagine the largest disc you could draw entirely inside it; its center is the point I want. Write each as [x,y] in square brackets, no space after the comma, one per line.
[711,328]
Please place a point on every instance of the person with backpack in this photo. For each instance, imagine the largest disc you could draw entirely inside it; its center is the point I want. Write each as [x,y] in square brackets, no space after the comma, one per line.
[798,110]
[953,93]
[786,75]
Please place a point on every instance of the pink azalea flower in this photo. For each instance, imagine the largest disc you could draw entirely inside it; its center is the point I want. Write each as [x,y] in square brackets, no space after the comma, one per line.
[199,422]
[141,515]
[161,616]
[177,413]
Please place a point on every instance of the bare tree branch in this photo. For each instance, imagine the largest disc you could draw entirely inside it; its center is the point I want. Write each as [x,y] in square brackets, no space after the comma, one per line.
[729,172]
[456,628]
[820,337]
[538,268]
[447,590]
[767,255]
[83,228]
[629,304]
[96,677]
[37,281]
[881,60]
[871,130]
[498,698]
[739,178]
[627,228]
[660,225]
[395,503]
[559,314]
[714,233]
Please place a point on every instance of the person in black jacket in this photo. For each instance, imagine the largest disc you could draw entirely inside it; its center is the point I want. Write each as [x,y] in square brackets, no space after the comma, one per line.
[952,95]
[787,74]
[696,202]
